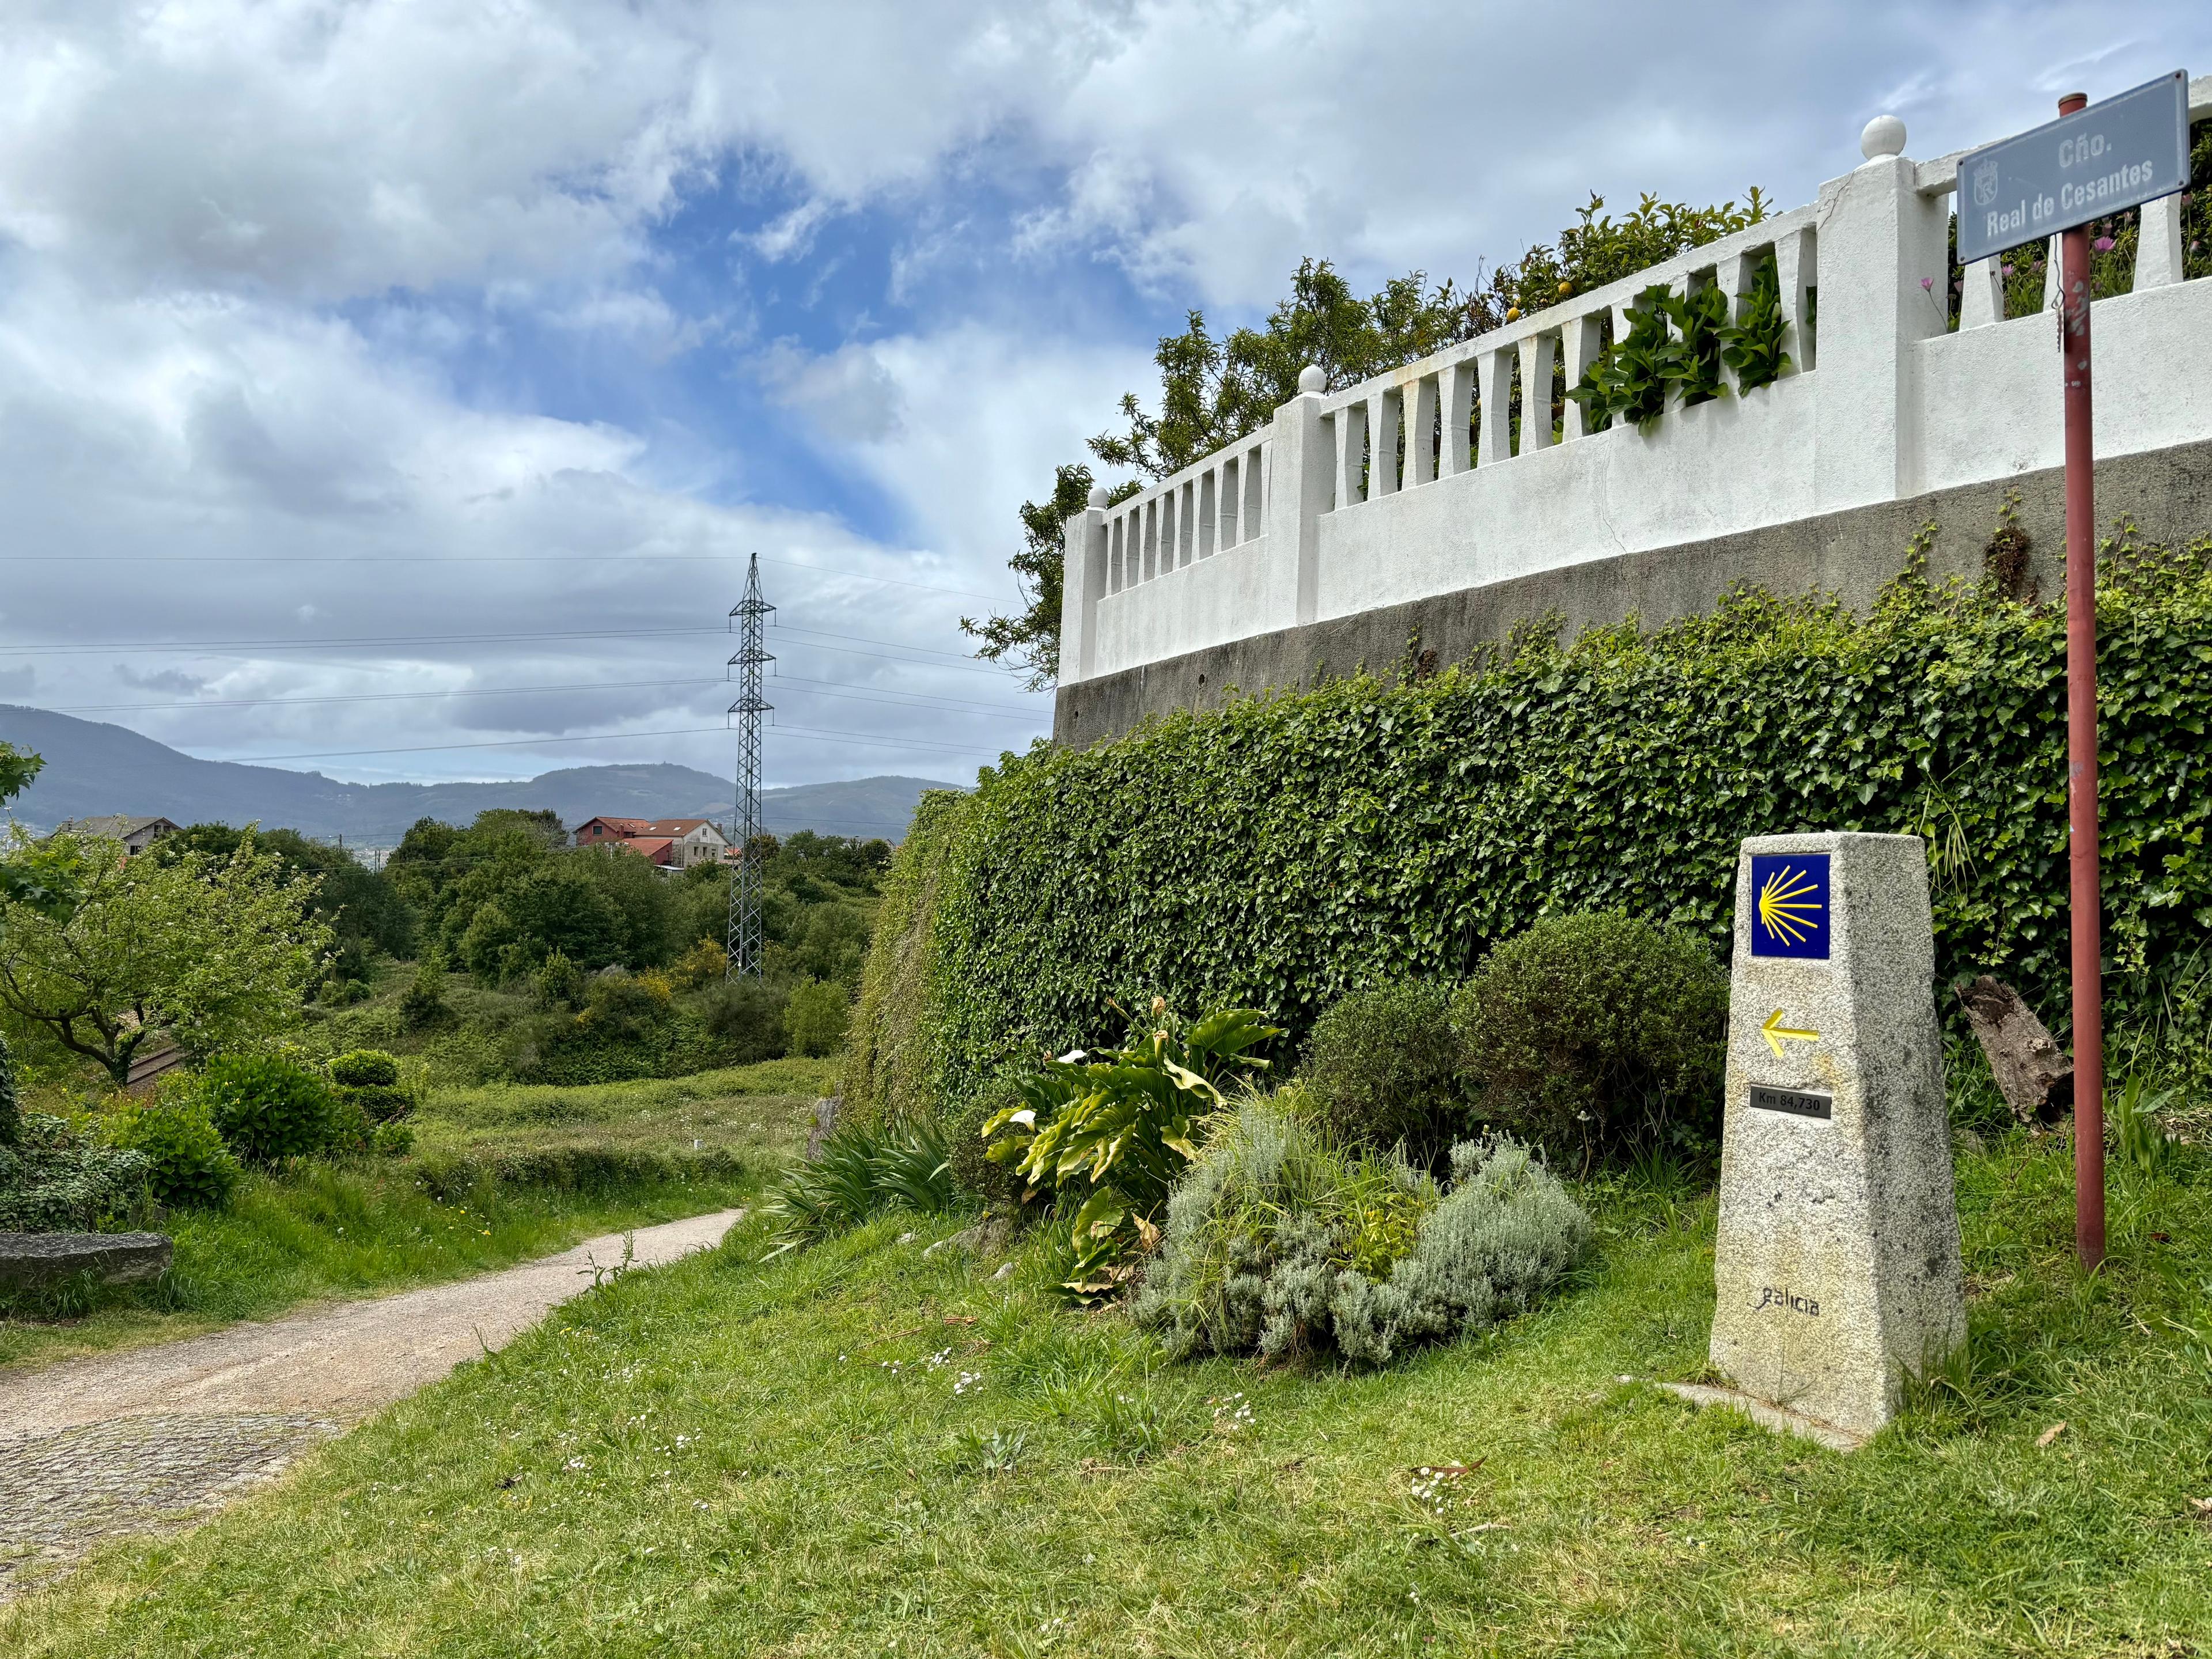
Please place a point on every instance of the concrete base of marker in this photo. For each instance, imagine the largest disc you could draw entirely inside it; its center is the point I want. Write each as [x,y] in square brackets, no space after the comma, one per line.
[1837,1260]
[1768,1417]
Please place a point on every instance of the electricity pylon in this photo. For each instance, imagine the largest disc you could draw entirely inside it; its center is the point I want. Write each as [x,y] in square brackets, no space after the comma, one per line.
[746,618]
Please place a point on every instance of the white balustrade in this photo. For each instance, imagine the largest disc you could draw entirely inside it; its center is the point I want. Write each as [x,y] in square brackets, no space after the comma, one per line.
[1372,494]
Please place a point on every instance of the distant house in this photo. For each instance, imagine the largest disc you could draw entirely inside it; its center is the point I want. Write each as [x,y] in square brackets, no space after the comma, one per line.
[671,843]
[694,841]
[595,832]
[136,834]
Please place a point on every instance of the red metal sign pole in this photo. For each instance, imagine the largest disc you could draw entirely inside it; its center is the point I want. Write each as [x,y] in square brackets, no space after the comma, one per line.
[2081,743]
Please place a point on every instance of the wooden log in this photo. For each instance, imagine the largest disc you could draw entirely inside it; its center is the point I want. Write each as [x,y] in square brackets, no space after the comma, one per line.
[2033,1074]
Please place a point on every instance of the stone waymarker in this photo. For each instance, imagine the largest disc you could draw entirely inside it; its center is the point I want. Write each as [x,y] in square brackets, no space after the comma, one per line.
[1836,1261]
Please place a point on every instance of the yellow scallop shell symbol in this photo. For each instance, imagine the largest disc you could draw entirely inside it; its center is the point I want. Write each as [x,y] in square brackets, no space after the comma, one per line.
[1785,910]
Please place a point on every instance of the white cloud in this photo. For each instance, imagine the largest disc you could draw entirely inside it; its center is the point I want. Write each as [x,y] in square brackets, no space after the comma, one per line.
[133,434]
[791,235]
[253,251]
[322,151]
[848,395]
[962,425]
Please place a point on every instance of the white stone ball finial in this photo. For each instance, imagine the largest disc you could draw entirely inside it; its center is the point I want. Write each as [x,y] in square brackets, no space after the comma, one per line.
[1311,379]
[1098,495]
[1884,135]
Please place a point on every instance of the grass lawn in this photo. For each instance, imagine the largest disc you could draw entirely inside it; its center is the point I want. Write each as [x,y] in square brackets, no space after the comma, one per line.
[821,1455]
[617,1156]
[747,1112]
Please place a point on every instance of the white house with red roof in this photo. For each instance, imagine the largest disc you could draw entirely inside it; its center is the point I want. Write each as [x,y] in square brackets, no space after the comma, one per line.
[671,843]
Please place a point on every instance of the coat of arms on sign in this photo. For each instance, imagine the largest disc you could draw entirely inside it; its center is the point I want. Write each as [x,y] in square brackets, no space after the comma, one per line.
[1985,183]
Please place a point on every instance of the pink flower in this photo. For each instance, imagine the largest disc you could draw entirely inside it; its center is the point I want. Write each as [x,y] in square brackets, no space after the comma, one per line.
[1927,284]
[2103,244]
[2008,270]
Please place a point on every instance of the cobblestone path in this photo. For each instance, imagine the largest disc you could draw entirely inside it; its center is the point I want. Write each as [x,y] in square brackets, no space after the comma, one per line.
[155,1438]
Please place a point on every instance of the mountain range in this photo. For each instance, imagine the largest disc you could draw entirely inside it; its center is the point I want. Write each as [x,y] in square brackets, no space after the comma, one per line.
[93,768]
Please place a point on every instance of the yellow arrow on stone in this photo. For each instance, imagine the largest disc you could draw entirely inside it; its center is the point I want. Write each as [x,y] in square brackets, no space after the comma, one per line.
[1774,1031]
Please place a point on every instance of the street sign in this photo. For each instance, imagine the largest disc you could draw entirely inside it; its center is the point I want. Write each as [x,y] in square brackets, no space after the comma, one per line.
[2119,154]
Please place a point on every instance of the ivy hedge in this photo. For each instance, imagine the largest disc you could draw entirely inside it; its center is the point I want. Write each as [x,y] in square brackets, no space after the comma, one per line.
[1290,847]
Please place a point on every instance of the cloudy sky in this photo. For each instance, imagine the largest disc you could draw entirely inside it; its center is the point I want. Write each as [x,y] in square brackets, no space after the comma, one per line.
[395,389]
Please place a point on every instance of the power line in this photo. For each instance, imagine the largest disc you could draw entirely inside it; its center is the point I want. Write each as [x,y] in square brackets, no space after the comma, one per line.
[862,639]
[850,651]
[866,739]
[294,560]
[213,647]
[804,688]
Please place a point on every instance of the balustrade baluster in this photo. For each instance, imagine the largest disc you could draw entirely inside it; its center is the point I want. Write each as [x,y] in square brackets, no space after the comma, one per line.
[1538,354]
[1982,300]
[2158,244]
[1584,337]
[1459,416]
[1352,454]
[1795,257]
[1382,412]
[1496,368]
[1421,432]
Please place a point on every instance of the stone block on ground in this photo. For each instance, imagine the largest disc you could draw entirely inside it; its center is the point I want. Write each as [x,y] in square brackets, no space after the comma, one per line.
[30,1261]
[825,1123]
[1837,1260]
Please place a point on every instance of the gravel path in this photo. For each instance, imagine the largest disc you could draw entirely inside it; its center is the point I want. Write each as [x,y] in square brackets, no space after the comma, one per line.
[160,1436]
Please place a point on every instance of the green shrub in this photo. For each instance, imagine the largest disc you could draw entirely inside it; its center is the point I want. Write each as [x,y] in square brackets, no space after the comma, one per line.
[559,982]
[1284,848]
[1110,1131]
[860,1173]
[1504,1236]
[56,1178]
[267,1107]
[423,1007]
[188,1165]
[11,1112]
[1588,1033]
[967,1153]
[814,1018]
[1279,1241]
[895,1051]
[370,1092]
[620,1007]
[1123,1118]
[1383,1066]
[746,1017]
[365,1069]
